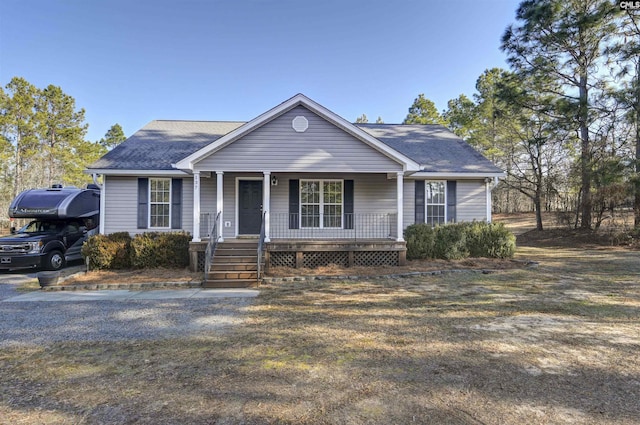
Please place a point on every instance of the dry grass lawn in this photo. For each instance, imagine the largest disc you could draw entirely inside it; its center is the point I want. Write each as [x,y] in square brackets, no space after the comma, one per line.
[558,344]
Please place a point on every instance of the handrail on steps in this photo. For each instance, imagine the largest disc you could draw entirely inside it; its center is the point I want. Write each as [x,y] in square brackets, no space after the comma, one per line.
[211,246]
[261,246]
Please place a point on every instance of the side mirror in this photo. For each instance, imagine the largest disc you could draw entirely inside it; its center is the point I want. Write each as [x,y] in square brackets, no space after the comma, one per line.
[13,230]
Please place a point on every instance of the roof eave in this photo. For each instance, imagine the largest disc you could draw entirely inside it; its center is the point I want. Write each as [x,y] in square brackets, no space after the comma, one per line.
[458,175]
[134,172]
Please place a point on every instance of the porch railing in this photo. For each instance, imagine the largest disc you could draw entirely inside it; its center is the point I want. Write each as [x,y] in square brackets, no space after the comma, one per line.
[211,246]
[346,226]
[261,246]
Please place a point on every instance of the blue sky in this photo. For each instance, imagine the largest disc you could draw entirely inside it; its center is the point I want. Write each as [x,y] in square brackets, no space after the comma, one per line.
[130,62]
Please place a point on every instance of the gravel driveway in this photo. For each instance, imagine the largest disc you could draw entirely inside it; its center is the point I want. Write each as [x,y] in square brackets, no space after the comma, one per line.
[41,323]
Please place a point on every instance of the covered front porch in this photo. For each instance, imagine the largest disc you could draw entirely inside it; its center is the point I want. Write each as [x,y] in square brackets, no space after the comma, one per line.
[298,206]
[302,219]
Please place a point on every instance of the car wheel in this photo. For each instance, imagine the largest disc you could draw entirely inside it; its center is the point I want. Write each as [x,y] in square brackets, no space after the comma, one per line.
[55,260]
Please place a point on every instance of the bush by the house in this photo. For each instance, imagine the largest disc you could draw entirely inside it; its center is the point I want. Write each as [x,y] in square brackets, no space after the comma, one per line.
[460,240]
[421,240]
[156,249]
[451,242]
[492,240]
[108,251]
[147,250]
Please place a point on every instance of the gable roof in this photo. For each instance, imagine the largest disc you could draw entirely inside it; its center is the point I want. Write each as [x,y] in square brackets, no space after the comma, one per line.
[299,100]
[165,145]
[436,148]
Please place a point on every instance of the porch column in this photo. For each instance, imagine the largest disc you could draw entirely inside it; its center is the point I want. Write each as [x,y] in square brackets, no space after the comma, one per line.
[400,202]
[219,197]
[196,207]
[266,201]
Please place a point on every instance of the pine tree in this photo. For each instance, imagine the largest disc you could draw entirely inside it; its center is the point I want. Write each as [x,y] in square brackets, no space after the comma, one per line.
[423,111]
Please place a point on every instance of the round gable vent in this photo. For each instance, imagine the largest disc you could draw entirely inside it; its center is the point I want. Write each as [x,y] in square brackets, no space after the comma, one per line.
[300,124]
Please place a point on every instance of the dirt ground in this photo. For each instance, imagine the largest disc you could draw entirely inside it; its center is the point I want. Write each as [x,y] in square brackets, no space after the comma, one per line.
[523,225]
[556,344]
[519,223]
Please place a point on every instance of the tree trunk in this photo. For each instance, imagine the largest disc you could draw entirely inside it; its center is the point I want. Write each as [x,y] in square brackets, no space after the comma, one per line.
[537,206]
[52,143]
[17,181]
[585,154]
[537,199]
[636,203]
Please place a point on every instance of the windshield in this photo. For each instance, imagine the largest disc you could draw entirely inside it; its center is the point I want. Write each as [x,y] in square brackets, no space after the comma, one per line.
[42,226]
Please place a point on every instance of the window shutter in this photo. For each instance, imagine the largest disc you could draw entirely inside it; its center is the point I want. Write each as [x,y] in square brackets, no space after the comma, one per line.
[348,204]
[294,204]
[451,200]
[419,213]
[176,203]
[143,203]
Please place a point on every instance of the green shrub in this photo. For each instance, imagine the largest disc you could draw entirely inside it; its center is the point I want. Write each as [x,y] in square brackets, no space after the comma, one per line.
[460,240]
[420,239]
[492,240]
[451,242]
[156,249]
[147,250]
[108,251]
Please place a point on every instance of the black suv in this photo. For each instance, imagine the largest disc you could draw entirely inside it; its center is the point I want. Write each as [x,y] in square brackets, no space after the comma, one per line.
[45,243]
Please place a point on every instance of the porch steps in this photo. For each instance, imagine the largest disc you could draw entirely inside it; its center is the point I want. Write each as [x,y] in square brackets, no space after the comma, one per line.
[234,265]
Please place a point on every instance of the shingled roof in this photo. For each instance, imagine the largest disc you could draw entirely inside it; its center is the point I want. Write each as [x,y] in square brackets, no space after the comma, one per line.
[160,144]
[434,147]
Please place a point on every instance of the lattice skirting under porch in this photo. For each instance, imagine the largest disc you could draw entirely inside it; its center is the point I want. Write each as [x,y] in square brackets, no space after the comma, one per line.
[375,258]
[306,254]
[312,255]
[282,259]
[201,262]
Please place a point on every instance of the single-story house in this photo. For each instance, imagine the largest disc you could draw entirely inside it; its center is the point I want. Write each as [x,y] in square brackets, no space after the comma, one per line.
[317,188]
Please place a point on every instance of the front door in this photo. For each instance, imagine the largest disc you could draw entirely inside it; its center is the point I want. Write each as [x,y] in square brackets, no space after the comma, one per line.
[249,207]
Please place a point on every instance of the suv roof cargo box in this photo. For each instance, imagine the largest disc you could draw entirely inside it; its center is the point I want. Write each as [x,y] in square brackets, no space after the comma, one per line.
[68,202]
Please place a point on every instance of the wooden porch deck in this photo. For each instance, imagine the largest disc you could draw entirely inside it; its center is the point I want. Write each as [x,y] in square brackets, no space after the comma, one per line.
[297,253]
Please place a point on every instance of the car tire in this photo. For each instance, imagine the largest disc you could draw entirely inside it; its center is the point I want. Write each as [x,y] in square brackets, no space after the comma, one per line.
[54,260]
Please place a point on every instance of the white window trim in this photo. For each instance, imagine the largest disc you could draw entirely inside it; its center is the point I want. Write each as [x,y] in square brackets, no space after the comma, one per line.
[321,181]
[160,203]
[426,205]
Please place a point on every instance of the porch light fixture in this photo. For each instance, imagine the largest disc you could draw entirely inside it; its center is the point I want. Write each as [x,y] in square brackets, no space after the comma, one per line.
[274,181]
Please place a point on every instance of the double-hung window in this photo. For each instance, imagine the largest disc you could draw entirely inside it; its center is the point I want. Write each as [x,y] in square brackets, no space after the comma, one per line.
[435,202]
[160,203]
[321,203]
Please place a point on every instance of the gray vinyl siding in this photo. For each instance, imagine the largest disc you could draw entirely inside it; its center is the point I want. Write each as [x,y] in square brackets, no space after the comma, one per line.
[187,206]
[277,147]
[121,201]
[207,204]
[409,204]
[373,194]
[472,200]
[120,204]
